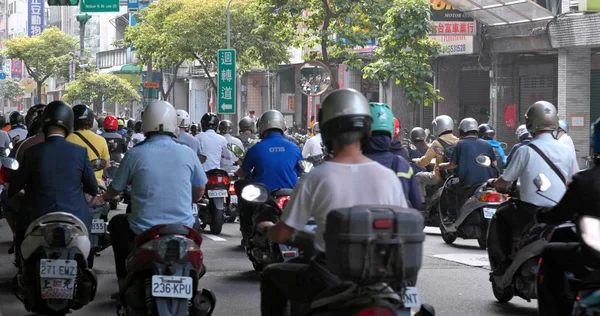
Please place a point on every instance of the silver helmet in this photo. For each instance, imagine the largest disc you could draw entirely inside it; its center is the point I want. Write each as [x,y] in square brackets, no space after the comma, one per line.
[468,124]
[441,124]
[541,116]
[344,111]
[271,119]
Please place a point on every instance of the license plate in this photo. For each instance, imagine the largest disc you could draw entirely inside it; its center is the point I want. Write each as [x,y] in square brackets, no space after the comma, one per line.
[195,210]
[57,288]
[172,286]
[217,193]
[489,212]
[58,268]
[233,199]
[98,226]
[411,297]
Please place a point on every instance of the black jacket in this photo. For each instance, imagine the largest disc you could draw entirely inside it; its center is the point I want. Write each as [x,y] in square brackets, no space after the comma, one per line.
[580,199]
[399,149]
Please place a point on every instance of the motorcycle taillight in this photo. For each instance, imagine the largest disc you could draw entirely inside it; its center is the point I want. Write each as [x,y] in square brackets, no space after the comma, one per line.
[58,237]
[218,179]
[374,311]
[232,189]
[282,201]
[171,248]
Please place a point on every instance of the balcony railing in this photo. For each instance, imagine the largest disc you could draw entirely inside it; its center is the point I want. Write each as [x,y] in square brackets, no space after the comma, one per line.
[111,58]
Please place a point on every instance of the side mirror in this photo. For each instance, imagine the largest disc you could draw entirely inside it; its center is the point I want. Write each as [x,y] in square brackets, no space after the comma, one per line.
[484,160]
[255,193]
[10,163]
[306,166]
[504,145]
[542,182]
[6,152]
[202,158]
[236,150]
[590,231]
[98,164]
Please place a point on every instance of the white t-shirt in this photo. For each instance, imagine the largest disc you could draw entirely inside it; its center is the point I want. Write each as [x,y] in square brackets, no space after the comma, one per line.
[332,186]
[135,139]
[567,140]
[313,146]
[213,146]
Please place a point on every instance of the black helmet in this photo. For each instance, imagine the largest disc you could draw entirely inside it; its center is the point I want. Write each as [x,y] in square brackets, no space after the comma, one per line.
[34,113]
[246,124]
[57,113]
[16,119]
[137,127]
[130,124]
[194,129]
[209,121]
[100,122]
[417,135]
[84,116]
[225,127]
[344,111]
[486,131]
[2,120]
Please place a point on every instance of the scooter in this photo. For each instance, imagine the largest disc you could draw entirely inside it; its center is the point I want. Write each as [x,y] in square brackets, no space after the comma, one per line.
[520,278]
[99,237]
[4,152]
[211,209]
[232,208]
[164,270]
[475,213]
[108,175]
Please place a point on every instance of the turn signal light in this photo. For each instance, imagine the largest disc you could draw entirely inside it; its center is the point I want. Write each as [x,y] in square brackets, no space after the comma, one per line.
[232,189]
[491,197]
[282,201]
[375,311]
[382,224]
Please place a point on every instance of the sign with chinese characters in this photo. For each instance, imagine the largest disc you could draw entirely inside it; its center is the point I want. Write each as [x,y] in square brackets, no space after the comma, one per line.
[35,17]
[454,28]
[510,116]
[578,121]
[16,69]
[99,6]
[455,45]
[447,20]
[227,78]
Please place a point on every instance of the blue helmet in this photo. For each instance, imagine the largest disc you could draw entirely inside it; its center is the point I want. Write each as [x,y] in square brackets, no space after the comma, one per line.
[562,124]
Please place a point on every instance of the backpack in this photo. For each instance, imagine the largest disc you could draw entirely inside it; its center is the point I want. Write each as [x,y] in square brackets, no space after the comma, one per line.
[448,149]
[500,163]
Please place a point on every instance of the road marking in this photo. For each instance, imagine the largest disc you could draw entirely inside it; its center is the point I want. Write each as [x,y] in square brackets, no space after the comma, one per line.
[213,237]
[467,259]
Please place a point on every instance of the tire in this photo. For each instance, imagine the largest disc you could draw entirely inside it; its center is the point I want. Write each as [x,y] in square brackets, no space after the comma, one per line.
[258,266]
[448,238]
[482,242]
[502,295]
[91,258]
[216,223]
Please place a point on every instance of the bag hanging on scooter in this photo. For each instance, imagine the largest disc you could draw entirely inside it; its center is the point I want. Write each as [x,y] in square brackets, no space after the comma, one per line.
[374,243]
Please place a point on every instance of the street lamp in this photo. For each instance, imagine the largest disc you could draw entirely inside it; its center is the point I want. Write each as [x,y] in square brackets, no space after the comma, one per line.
[82,19]
[228,27]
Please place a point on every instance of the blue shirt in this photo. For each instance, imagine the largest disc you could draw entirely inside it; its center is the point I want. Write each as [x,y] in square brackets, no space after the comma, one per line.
[498,147]
[514,149]
[162,173]
[465,157]
[275,161]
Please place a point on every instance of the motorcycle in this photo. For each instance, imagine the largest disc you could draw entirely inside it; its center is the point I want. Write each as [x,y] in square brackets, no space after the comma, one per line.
[474,214]
[99,237]
[520,278]
[211,208]
[232,208]
[587,301]
[107,176]
[4,152]
[164,270]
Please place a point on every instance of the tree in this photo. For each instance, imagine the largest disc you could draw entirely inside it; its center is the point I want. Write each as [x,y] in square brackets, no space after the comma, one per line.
[406,51]
[44,55]
[170,32]
[335,27]
[12,89]
[96,88]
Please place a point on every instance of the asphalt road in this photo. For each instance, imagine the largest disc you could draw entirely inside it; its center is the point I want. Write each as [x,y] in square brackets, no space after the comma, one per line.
[453,278]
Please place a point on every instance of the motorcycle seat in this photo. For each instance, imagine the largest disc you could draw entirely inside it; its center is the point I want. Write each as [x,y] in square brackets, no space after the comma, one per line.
[173,229]
[217,172]
[282,192]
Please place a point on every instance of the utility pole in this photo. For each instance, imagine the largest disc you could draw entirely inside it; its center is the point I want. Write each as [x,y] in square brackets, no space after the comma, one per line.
[228,26]
[82,19]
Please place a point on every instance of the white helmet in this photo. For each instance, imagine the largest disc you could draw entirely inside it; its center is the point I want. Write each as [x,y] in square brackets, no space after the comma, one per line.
[183,118]
[160,116]
[521,131]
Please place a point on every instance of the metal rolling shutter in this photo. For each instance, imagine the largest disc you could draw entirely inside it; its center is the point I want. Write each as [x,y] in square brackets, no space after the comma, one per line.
[595,96]
[532,89]
[474,95]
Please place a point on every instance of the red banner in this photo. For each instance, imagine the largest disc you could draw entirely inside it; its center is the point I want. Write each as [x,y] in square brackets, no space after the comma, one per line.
[510,116]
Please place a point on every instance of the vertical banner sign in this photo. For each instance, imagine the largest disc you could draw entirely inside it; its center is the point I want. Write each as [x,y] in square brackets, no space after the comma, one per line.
[35,17]
[16,69]
[227,77]
[510,116]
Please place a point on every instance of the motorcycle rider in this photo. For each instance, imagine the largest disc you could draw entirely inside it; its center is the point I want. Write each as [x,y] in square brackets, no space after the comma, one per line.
[194,129]
[377,148]
[313,148]
[349,179]
[212,145]
[121,128]
[397,148]
[246,127]
[116,143]
[528,162]
[486,132]
[524,138]
[138,137]
[225,129]
[183,121]
[17,130]
[163,196]
[417,137]
[443,126]
[562,136]
[96,145]
[57,164]
[5,125]
[100,125]
[273,162]
[470,173]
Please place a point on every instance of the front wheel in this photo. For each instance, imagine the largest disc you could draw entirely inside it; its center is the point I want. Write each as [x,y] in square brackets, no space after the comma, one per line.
[502,295]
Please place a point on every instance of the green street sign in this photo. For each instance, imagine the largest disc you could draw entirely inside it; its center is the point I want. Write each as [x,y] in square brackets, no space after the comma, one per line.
[227,79]
[99,5]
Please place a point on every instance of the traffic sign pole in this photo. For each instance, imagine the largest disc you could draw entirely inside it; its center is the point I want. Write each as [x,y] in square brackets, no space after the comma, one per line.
[226,88]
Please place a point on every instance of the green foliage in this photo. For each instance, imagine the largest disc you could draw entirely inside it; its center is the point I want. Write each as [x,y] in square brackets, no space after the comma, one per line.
[406,51]
[95,88]
[12,89]
[44,55]
[331,29]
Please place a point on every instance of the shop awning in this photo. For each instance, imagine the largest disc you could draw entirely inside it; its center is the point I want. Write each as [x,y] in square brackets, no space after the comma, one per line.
[502,12]
[123,69]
